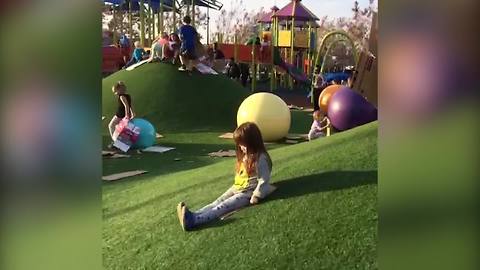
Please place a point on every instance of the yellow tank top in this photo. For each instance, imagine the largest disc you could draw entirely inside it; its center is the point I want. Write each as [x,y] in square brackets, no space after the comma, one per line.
[241,178]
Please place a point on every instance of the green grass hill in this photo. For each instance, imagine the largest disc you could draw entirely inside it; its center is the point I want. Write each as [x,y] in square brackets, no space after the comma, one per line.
[323,215]
[174,101]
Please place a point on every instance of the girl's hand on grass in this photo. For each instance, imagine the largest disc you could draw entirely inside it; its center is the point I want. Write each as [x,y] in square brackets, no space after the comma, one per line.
[254,200]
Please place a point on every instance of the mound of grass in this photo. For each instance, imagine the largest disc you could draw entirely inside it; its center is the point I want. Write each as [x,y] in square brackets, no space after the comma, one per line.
[175,101]
[323,215]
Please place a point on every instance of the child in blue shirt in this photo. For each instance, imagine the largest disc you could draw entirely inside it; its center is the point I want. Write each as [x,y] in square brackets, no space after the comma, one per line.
[188,36]
[137,54]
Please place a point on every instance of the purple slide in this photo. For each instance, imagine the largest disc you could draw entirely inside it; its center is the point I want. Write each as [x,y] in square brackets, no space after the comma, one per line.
[293,71]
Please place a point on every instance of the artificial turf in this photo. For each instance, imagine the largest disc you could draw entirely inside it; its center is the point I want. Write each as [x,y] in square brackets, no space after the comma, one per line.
[323,215]
[175,101]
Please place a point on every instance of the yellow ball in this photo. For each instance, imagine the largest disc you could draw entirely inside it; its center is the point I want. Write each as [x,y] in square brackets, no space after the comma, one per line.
[269,112]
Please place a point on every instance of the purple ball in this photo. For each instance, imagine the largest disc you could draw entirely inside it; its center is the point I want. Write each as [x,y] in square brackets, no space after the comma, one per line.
[348,109]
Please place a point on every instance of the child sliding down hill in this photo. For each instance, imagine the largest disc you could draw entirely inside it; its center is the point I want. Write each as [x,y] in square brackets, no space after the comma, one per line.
[253,168]
[157,47]
[137,55]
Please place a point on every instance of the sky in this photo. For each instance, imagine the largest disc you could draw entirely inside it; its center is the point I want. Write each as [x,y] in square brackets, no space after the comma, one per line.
[332,8]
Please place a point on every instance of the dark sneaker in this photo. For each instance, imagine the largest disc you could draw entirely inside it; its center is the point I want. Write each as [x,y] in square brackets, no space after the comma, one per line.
[186,218]
[182,68]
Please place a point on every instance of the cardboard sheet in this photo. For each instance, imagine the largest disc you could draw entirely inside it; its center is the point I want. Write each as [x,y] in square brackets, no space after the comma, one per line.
[204,69]
[295,107]
[107,153]
[228,135]
[295,136]
[223,153]
[158,149]
[118,176]
[114,156]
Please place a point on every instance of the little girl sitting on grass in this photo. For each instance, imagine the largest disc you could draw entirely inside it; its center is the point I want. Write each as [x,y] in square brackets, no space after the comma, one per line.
[253,168]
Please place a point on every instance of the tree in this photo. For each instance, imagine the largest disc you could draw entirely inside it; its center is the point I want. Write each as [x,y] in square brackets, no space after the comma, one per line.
[200,18]
[237,20]
[358,26]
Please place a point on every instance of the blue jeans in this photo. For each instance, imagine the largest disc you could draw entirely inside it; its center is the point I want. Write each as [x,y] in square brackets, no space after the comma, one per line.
[131,62]
[229,201]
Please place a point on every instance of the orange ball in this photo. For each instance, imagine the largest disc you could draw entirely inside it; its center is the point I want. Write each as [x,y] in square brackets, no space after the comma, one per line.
[325,96]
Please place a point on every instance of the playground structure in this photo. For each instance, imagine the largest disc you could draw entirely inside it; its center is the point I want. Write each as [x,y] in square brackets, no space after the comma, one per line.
[291,33]
[289,56]
[151,16]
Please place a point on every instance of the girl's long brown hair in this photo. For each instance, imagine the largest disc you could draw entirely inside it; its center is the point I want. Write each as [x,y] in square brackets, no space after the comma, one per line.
[248,134]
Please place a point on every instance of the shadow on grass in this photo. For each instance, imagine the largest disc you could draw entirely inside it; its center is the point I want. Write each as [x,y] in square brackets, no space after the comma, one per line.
[327,181]
[300,186]
[293,187]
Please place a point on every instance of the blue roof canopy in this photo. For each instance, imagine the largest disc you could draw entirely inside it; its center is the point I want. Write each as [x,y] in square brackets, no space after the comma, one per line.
[167,4]
[214,4]
[155,4]
[115,2]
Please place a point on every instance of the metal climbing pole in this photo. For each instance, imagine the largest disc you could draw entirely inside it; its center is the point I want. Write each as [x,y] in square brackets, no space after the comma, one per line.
[114,34]
[174,6]
[327,52]
[153,23]
[193,13]
[160,18]
[208,26]
[130,28]
[254,68]
[329,35]
[142,24]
